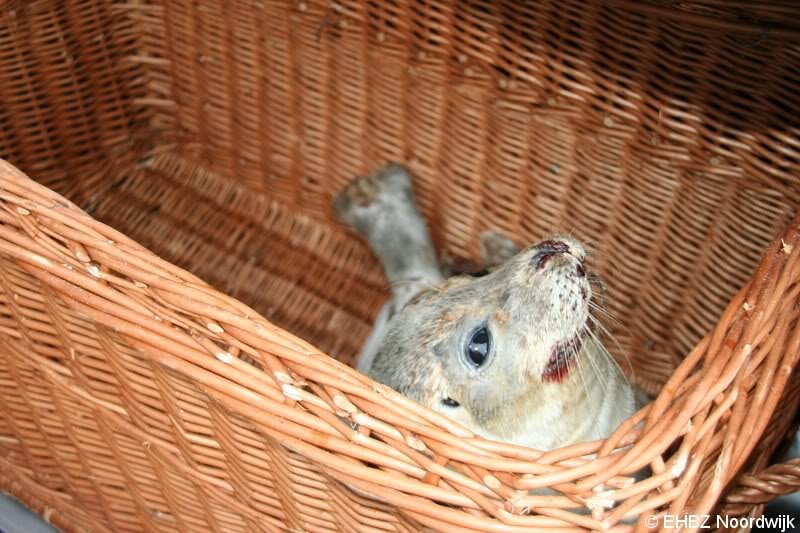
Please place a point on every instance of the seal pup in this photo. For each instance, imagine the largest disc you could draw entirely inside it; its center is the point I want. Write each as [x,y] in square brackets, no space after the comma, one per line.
[510,355]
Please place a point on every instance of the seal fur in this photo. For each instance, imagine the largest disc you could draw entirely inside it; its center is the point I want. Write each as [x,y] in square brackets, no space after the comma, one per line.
[545,382]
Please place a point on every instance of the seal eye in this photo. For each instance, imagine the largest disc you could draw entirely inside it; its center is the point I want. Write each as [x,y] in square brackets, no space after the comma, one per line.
[478,347]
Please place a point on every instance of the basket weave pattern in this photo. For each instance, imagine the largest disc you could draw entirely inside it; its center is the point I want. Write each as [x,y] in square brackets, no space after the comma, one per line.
[215,136]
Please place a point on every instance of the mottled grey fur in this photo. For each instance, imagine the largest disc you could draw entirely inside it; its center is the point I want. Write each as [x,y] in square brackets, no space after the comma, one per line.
[418,343]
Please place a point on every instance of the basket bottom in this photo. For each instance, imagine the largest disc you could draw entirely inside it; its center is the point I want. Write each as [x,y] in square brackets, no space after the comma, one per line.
[307,277]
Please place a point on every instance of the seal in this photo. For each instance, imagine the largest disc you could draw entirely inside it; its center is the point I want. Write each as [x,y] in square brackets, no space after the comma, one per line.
[513,354]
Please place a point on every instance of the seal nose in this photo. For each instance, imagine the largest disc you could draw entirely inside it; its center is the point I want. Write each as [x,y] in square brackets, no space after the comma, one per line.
[545,251]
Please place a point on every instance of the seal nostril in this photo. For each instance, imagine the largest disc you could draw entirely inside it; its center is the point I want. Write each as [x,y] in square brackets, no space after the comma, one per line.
[541,259]
[545,250]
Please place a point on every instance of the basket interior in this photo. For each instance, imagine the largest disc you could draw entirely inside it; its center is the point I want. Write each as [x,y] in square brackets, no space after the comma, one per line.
[311,279]
[319,281]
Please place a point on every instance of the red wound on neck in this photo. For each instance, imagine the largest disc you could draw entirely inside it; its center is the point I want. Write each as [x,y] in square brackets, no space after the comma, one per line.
[561,361]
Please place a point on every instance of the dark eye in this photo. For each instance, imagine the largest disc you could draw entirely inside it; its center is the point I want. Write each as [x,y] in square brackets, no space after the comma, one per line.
[478,347]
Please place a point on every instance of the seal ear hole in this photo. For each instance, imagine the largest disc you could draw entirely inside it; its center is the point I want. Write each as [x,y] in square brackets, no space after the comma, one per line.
[478,346]
[449,402]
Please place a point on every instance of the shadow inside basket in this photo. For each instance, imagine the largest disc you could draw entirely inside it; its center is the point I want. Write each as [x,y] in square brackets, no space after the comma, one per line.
[309,278]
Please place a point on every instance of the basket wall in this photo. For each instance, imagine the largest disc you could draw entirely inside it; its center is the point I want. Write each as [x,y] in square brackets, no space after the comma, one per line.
[215,134]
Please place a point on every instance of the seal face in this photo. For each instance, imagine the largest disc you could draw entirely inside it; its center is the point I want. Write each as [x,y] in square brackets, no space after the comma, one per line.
[510,354]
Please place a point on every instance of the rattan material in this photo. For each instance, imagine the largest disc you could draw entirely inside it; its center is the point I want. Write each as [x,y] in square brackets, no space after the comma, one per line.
[216,134]
[777,480]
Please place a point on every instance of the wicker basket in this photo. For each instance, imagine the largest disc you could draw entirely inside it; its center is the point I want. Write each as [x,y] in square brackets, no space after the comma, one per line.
[215,133]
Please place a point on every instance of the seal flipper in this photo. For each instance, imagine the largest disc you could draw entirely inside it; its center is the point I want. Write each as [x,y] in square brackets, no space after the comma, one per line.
[496,249]
[382,208]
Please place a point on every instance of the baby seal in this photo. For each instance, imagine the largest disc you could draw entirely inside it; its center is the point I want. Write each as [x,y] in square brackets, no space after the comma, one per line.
[511,354]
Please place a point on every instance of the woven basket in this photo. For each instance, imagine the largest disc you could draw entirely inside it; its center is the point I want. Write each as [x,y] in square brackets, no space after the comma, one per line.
[214,134]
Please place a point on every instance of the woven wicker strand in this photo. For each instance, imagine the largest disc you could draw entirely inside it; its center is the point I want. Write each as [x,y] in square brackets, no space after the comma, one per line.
[778,479]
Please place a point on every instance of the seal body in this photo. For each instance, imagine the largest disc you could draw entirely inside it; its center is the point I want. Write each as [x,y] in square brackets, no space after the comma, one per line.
[512,354]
